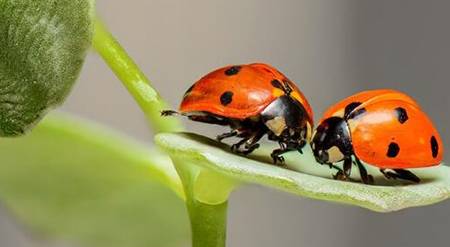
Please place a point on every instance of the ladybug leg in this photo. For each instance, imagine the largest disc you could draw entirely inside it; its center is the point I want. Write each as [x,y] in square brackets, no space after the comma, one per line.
[299,147]
[240,132]
[340,175]
[249,143]
[237,146]
[252,143]
[276,154]
[232,133]
[365,177]
[285,146]
[400,174]
[247,149]
[407,175]
[250,149]
[348,167]
[343,174]
[388,174]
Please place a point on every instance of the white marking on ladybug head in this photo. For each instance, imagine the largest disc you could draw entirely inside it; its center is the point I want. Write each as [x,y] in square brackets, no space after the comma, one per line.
[277,125]
[334,154]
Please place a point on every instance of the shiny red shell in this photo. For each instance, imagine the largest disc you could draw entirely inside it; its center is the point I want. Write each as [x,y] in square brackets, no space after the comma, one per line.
[391,130]
[239,92]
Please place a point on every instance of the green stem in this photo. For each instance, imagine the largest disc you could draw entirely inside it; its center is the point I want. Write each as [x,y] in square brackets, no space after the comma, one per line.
[207,211]
[208,217]
[208,223]
[134,80]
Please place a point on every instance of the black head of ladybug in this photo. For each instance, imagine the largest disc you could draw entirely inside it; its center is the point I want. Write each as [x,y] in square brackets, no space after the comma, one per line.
[289,122]
[331,141]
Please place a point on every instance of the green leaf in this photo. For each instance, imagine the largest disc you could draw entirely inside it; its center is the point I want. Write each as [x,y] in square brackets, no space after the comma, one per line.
[78,182]
[43,44]
[305,177]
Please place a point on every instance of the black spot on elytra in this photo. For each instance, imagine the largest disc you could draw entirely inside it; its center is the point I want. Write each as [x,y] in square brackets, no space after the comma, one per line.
[350,107]
[233,70]
[226,98]
[277,84]
[393,150]
[350,112]
[434,147]
[402,115]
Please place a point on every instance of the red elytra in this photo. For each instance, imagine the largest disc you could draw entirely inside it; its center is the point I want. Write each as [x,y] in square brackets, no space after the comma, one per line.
[251,88]
[386,129]
[254,100]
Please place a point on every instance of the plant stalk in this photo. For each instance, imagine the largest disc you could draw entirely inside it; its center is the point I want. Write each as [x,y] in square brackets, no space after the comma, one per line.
[134,80]
[208,223]
[208,219]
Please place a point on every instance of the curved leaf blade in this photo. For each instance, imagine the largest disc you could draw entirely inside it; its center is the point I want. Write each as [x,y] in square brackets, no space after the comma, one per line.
[310,178]
[42,48]
[73,181]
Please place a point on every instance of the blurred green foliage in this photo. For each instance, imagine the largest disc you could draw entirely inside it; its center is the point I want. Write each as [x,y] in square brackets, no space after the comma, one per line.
[43,45]
[74,181]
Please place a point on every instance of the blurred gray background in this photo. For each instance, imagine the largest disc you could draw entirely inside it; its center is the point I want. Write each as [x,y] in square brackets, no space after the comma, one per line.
[331,48]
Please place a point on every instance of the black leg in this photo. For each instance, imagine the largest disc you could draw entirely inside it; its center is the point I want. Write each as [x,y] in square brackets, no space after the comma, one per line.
[343,174]
[238,132]
[276,154]
[237,146]
[366,178]
[232,133]
[299,147]
[388,174]
[400,174]
[246,149]
[407,175]
[285,146]
[340,175]
[249,149]
[348,167]
[333,166]
[250,143]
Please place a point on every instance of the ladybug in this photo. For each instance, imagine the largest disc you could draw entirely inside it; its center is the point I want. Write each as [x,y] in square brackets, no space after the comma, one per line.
[253,100]
[384,128]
